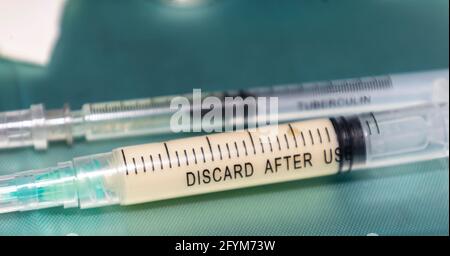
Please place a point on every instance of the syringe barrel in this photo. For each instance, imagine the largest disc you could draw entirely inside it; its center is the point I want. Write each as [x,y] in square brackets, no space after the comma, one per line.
[357,95]
[295,102]
[405,135]
[386,138]
[279,153]
[224,161]
[37,126]
[131,117]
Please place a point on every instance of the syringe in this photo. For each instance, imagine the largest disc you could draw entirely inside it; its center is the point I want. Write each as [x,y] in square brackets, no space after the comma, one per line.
[37,126]
[232,160]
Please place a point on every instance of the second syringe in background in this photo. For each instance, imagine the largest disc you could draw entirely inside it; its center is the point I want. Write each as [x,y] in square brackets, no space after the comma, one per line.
[94,121]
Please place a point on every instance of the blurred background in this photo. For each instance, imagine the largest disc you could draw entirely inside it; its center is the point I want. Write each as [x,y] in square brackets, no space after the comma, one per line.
[79,51]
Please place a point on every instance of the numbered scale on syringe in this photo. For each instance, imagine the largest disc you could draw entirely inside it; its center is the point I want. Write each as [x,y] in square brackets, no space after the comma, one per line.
[228,160]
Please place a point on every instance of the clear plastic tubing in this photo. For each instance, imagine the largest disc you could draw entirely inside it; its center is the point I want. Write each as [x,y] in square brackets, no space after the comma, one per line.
[37,126]
[231,160]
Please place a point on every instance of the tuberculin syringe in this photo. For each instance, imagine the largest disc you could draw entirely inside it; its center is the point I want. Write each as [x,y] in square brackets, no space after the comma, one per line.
[232,160]
[37,126]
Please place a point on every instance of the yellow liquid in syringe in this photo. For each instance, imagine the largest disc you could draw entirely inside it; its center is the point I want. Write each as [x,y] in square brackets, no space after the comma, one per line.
[226,161]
